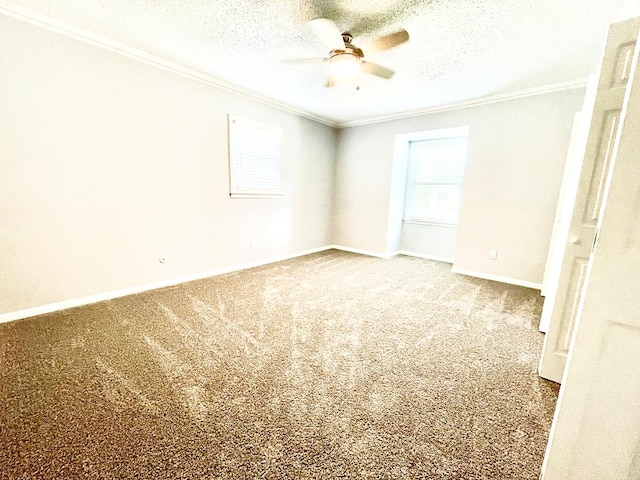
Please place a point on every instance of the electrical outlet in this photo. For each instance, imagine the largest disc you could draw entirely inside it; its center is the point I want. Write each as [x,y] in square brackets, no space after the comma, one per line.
[253,243]
[493,255]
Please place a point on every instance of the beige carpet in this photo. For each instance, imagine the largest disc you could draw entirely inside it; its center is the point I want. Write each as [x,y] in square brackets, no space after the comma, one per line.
[333,365]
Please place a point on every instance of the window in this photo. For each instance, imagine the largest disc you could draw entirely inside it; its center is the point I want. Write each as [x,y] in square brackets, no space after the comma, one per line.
[434,178]
[254,159]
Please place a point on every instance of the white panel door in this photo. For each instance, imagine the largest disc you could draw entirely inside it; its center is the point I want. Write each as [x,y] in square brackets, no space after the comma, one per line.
[567,197]
[556,246]
[562,306]
[572,166]
[596,430]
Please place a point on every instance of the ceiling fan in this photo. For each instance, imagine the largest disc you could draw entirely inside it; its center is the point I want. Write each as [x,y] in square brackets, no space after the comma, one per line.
[346,60]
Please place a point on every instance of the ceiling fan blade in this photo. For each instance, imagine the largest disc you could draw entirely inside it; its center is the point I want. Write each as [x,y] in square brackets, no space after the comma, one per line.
[305,60]
[377,70]
[328,32]
[386,42]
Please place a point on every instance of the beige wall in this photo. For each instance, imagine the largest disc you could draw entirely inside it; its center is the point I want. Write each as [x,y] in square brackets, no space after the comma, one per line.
[108,164]
[432,241]
[517,150]
[362,187]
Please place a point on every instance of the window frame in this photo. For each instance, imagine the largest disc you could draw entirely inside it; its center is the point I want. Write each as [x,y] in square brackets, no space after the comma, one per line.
[434,135]
[236,190]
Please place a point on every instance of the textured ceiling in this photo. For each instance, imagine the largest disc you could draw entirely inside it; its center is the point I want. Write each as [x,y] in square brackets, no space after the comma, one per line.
[459,49]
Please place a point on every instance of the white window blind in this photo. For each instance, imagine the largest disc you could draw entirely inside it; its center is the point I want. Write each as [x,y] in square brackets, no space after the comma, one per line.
[434,180]
[254,159]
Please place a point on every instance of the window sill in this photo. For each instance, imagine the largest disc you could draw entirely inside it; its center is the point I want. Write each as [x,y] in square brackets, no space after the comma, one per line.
[431,224]
[256,195]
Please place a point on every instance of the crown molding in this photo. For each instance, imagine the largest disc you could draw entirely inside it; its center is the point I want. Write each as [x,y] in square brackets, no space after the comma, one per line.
[476,102]
[34,18]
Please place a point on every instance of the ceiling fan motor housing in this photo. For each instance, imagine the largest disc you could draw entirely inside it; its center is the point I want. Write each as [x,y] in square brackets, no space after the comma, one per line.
[346,61]
[355,52]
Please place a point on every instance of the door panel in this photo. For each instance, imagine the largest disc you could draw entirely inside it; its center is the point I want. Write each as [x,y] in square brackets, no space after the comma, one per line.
[623,65]
[571,304]
[561,307]
[598,175]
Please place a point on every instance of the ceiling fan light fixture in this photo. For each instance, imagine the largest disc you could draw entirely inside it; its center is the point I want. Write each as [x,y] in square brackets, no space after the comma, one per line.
[344,66]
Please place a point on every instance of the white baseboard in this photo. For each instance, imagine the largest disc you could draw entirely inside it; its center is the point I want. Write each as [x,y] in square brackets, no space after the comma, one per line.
[363,252]
[497,278]
[77,302]
[435,258]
